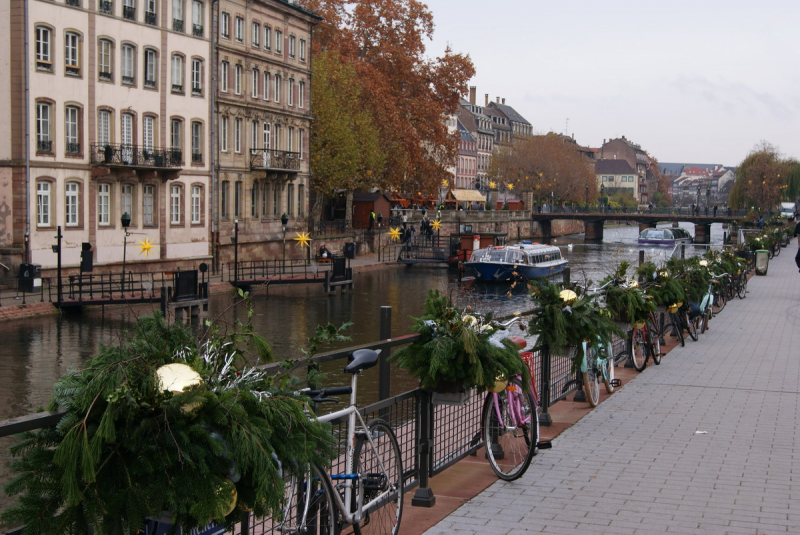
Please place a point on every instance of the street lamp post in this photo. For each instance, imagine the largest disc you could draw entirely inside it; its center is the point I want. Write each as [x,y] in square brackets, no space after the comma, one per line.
[125,220]
[697,206]
[603,197]
[587,196]
[284,221]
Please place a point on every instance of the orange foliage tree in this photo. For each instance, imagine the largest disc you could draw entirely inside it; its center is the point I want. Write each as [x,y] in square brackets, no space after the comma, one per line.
[550,166]
[408,94]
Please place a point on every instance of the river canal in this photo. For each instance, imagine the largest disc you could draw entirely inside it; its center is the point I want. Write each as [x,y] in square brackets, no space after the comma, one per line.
[36,351]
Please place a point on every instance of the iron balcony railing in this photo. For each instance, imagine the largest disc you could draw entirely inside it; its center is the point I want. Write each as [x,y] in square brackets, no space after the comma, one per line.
[197,30]
[43,145]
[150,18]
[135,155]
[177,25]
[129,12]
[107,7]
[274,159]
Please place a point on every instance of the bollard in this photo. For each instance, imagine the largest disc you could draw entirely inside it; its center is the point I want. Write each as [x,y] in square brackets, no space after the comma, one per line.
[423,496]
[544,417]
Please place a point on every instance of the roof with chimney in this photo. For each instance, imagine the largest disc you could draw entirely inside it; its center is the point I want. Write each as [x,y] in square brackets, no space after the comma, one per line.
[509,112]
[612,167]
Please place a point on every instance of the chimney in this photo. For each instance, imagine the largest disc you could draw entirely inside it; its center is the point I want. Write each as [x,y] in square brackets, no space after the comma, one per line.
[498,99]
[487,100]
[504,100]
[472,95]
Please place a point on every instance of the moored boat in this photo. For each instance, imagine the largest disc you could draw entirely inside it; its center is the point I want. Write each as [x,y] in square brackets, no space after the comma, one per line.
[665,236]
[526,260]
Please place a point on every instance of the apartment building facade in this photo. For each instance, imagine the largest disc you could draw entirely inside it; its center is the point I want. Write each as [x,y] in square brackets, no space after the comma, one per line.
[114,123]
[263,117]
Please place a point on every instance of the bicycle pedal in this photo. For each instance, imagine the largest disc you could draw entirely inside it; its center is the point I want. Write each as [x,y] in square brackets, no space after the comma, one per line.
[544,445]
[616,383]
[374,481]
[660,355]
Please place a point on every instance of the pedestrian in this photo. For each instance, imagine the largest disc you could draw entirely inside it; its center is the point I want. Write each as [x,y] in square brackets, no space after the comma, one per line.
[715,210]
[692,208]
[761,221]
[404,220]
[650,207]
[706,209]
[797,256]
[380,219]
[371,219]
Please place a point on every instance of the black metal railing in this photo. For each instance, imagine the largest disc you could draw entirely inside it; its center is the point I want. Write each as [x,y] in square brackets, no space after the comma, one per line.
[129,12]
[177,88]
[150,18]
[150,84]
[197,30]
[328,228]
[107,76]
[274,159]
[128,79]
[43,145]
[197,90]
[73,148]
[197,157]
[106,6]
[177,25]
[135,155]
[73,70]
[263,270]
[74,3]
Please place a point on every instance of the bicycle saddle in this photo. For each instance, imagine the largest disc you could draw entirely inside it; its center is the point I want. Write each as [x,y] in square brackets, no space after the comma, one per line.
[361,359]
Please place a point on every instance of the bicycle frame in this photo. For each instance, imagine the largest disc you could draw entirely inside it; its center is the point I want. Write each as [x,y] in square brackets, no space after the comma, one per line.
[608,350]
[352,413]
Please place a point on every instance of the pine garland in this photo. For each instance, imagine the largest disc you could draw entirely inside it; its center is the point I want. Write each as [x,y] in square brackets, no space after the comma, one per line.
[456,348]
[125,449]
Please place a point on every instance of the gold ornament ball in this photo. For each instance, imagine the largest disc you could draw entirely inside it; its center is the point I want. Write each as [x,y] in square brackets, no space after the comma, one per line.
[704,263]
[568,296]
[231,496]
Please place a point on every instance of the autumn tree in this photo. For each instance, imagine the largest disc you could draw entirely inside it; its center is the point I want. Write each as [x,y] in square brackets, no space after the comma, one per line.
[549,166]
[407,94]
[758,179]
[661,197]
[346,151]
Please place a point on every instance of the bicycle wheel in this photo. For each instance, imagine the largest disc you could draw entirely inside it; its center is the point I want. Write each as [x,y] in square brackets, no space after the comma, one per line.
[677,327]
[591,379]
[689,324]
[638,349]
[309,505]
[720,299]
[510,438]
[741,291]
[607,369]
[653,344]
[381,474]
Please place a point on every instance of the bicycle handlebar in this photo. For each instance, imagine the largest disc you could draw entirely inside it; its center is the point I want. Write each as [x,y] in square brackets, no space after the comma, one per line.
[321,396]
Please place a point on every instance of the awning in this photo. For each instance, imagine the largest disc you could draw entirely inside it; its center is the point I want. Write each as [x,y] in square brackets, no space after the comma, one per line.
[466,195]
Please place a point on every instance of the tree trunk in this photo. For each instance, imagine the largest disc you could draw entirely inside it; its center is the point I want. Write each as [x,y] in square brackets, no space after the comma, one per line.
[348,217]
[316,210]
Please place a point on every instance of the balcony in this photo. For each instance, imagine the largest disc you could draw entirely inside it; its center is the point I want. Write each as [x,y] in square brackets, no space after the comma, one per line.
[129,12]
[74,3]
[106,76]
[150,18]
[197,158]
[107,7]
[197,30]
[177,25]
[44,145]
[115,155]
[177,88]
[274,160]
[73,148]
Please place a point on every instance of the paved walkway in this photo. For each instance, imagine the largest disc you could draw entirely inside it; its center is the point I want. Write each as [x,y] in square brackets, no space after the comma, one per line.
[706,443]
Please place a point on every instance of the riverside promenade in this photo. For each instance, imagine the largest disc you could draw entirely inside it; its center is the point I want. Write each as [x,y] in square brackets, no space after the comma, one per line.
[705,443]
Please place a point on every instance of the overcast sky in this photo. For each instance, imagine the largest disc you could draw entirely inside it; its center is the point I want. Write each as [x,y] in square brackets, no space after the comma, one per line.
[700,81]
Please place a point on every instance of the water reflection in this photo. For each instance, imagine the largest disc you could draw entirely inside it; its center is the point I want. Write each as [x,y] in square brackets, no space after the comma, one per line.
[36,351]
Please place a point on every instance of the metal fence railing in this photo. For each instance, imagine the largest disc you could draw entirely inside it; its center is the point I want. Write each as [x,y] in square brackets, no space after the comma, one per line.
[277,269]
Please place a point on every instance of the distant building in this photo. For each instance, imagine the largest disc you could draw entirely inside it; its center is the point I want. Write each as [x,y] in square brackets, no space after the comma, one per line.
[616,176]
[624,149]
[699,183]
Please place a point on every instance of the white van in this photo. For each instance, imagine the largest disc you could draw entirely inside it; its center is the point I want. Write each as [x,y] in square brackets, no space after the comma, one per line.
[787,210]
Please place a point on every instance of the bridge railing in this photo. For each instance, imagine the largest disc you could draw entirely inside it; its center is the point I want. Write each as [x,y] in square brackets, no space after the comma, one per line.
[276,269]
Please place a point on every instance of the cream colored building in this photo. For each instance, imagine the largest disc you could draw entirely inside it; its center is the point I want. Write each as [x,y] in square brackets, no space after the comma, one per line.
[263,117]
[117,118]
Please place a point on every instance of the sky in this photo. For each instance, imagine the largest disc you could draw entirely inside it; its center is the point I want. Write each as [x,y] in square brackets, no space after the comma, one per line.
[700,81]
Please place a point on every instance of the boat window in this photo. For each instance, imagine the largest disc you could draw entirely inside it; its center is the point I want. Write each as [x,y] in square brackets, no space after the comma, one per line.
[477,255]
[514,257]
[497,255]
[668,234]
[654,233]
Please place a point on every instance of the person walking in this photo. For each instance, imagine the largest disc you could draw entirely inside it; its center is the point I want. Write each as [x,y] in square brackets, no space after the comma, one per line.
[797,256]
[715,210]
[404,219]
[371,219]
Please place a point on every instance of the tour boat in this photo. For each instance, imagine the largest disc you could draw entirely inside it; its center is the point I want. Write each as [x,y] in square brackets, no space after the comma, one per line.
[522,260]
[665,236]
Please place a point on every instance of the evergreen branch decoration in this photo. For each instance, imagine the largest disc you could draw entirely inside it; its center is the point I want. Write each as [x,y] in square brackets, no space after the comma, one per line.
[456,349]
[127,449]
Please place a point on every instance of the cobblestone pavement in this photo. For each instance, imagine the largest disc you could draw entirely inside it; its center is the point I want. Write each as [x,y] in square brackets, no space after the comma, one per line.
[706,443]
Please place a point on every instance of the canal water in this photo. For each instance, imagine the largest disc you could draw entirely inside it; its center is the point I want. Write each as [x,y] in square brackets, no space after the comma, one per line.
[37,351]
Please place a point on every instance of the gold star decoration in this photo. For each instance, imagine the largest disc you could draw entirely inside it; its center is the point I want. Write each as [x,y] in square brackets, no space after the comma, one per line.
[492,185]
[394,233]
[436,224]
[511,186]
[146,247]
[303,239]
[445,183]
